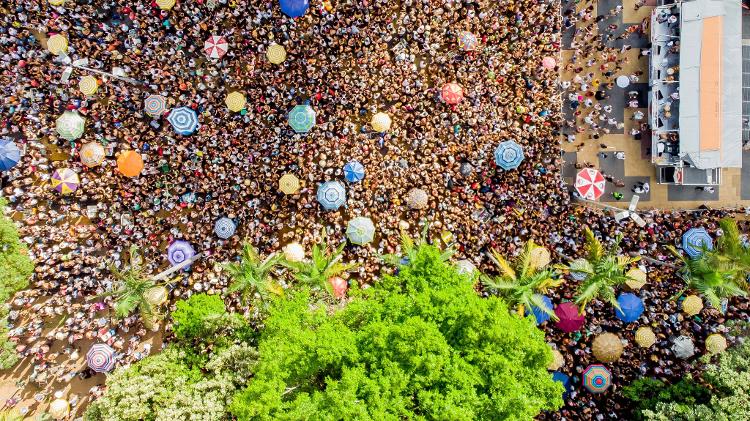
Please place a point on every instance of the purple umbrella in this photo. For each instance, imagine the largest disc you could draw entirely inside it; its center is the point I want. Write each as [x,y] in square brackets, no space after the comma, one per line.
[570,319]
[180,251]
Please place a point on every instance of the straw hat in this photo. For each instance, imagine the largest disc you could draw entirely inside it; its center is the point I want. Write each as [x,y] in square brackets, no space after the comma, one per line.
[557,361]
[645,337]
[607,347]
[715,344]
[692,305]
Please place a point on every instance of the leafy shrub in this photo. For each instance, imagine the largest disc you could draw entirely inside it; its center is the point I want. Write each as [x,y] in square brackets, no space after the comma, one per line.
[646,393]
[203,319]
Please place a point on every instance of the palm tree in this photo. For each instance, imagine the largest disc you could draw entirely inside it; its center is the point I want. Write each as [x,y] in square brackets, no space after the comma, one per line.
[522,282]
[251,275]
[410,249]
[602,271]
[130,292]
[731,253]
[324,265]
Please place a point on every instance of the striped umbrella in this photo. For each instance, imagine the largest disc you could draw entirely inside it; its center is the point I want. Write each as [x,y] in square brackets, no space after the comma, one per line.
[165,4]
[65,181]
[360,230]
[508,155]
[224,228]
[294,8]
[235,101]
[155,105]
[354,171]
[57,44]
[9,154]
[184,120]
[381,122]
[452,93]
[590,184]
[645,337]
[596,378]
[101,358]
[288,184]
[92,154]
[179,251]
[467,41]
[276,53]
[215,46]
[331,195]
[692,305]
[88,85]
[302,118]
[695,240]
[130,163]
[70,125]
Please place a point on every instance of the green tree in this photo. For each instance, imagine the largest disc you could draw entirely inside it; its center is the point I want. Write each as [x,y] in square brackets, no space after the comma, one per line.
[419,345]
[129,294]
[251,275]
[203,319]
[522,282]
[731,253]
[15,264]
[410,248]
[324,265]
[646,393]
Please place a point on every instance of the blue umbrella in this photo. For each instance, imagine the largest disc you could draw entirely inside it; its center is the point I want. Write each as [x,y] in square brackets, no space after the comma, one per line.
[565,380]
[508,155]
[631,307]
[184,120]
[331,195]
[294,8]
[302,118]
[180,251]
[9,155]
[695,240]
[224,228]
[354,171]
[538,313]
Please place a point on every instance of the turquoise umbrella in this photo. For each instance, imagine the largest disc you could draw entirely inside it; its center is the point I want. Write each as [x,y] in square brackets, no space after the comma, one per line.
[360,230]
[331,195]
[302,118]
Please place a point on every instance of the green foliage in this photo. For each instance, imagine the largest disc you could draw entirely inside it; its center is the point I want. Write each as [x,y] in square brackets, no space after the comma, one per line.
[131,286]
[410,247]
[15,264]
[422,345]
[731,253]
[251,276]
[201,318]
[646,393]
[324,265]
[8,355]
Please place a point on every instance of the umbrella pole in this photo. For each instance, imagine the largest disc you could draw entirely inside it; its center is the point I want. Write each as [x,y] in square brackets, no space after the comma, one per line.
[182,265]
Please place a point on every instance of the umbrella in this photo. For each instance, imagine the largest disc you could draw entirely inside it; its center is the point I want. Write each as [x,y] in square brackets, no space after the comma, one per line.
[294,8]
[157,295]
[88,85]
[631,307]
[539,257]
[692,305]
[584,266]
[101,358]
[590,183]
[65,181]
[354,171]
[539,314]
[549,62]
[184,120]
[57,3]
[70,125]
[683,347]
[636,278]
[465,169]
[417,199]
[130,163]
[331,195]
[57,44]
[302,118]
[557,360]
[570,320]
[381,122]
[360,230]
[288,184]
[294,252]
[695,240]
[59,408]
[339,286]
[276,53]
[92,154]
[467,41]
[165,4]
[235,101]
[645,337]
[215,46]
[565,380]
[179,251]
[622,81]
[452,93]
[224,228]
[465,267]
[155,105]
[715,343]
[607,347]
[596,378]
[9,154]
[508,155]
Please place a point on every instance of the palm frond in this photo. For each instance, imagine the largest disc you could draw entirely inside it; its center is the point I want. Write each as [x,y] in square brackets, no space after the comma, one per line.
[594,247]
[502,264]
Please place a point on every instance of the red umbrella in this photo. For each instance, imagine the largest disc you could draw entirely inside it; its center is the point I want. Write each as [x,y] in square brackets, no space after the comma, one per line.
[570,320]
[452,93]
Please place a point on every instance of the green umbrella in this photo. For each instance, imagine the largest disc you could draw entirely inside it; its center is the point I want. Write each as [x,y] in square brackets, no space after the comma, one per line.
[302,118]
[70,125]
[360,230]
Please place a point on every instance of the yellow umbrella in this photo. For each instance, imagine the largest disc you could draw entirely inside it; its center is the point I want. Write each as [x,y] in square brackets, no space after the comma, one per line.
[165,4]
[57,2]
[156,296]
[57,44]
[692,305]
[88,85]
[539,257]
[715,344]
[381,122]
[557,360]
[235,101]
[636,278]
[59,409]
[645,337]
[607,347]
[288,184]
[92,154]
[276,53]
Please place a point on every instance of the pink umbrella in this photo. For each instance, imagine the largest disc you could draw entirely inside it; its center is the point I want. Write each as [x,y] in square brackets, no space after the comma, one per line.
[590,183]
[215,46]
[569,319]
[452,93]
[549,63]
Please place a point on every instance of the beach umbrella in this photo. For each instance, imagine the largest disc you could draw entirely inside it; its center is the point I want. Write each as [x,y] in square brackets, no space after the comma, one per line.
[157,295]
[381,122]
[224,228]
[354,171]
[339,286]
[539,314]
[57,44]
[92,154]
[65,181]
[596,378]
[130,163]
[692,305]
[184,120]
[695,240]
[715,344]
[452,93]
[215,46]
[101,358]
[631,307]
[165,4]
[580,269]
[465,267]
[360,230]
[467,41]
[88,85]
[557,361]
[70,125]
[9,154]
[565,380]
[508,155]
[466,169]
[331,195]
[539,257]
[59,408]
[302,118]
[622,81]
[417,199]
[294,8]
[569,318]
[590,183]
[549,62]
[57,3]
[179,251]
[636,278]
[607,347]
[235,101]
[294,252]
[276,53]
[683,347]
[155,105]
[288,184]
[645,337]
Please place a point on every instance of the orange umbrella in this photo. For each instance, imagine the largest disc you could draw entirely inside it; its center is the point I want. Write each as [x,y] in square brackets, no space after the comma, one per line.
[130,163]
